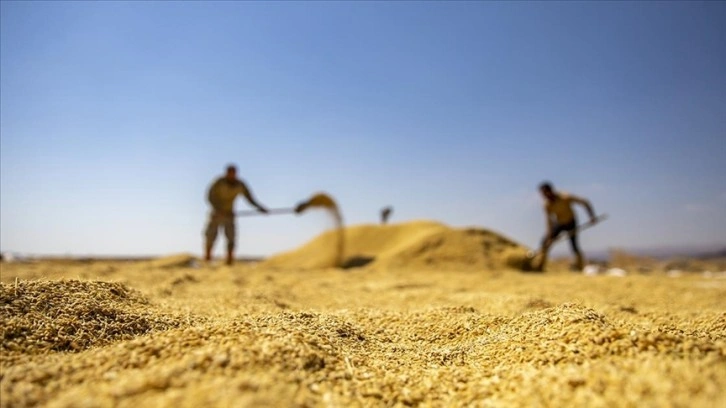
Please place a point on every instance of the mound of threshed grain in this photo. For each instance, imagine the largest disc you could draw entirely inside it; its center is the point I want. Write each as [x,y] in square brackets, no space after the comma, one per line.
[38,317]
[459,248]
[395,338]
[417,244]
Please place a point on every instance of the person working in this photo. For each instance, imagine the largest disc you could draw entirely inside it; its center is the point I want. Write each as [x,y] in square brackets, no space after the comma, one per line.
[386,214]
[561,218]
[221,196]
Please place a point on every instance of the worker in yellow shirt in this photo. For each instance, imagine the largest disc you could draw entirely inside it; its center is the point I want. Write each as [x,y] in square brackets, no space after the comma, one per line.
[561,218]
[221,196]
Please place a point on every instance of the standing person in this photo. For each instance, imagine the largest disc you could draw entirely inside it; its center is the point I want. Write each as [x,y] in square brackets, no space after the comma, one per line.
[221,196]
[385,214]
[561,218]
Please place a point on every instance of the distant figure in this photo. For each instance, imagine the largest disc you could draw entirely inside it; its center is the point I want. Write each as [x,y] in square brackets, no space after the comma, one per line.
[221,196]
[561,218]
[385,214]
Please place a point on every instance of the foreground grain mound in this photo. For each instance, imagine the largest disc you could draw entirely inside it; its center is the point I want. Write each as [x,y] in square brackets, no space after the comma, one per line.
[38,317]
[418,244]
[444,338]
[565,355]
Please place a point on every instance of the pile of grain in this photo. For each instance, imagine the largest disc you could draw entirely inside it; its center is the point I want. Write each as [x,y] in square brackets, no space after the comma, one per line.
[258,337]
[417,244]
[38,317]
[450,356]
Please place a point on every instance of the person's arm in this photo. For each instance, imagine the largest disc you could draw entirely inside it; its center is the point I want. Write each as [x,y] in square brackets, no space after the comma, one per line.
[251,199]
[585,203]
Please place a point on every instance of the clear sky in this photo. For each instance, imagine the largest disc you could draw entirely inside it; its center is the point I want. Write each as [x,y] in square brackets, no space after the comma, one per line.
[115,117]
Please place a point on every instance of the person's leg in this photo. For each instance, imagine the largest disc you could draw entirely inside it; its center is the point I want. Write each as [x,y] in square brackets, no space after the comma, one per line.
[545,248]
[547,242]
[211,235]
[579,259]
[230,233]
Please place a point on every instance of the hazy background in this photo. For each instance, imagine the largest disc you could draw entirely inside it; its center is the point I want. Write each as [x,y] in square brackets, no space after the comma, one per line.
[115,117]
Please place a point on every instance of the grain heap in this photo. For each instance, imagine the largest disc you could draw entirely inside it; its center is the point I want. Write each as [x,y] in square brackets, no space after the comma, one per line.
[252,336]
[416,244]
[38,317]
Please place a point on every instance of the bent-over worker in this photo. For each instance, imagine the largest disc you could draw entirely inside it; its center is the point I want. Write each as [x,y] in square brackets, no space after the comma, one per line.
[561,218]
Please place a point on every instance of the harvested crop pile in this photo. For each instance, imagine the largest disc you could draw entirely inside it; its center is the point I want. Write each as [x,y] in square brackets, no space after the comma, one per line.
[385,337]
[459,248]
[37,317]
[419,244]
[363,244]
[450,356]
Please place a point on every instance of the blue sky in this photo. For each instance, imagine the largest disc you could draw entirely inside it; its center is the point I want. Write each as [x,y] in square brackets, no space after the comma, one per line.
[115,117]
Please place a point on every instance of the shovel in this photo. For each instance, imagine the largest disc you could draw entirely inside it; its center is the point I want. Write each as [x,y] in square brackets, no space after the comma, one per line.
[270,211]
[318,200]
[528,266]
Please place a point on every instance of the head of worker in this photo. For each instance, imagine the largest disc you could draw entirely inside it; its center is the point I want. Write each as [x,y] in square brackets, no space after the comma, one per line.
[547,191]
[231,174]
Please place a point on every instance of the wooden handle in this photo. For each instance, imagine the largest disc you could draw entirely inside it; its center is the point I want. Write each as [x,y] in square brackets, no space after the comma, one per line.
[270,211]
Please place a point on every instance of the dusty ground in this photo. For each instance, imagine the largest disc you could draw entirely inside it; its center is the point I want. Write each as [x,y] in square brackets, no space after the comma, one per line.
[165,334]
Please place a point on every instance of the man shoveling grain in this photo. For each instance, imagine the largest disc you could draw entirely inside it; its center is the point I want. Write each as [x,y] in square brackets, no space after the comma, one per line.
[221,196]
[561,218]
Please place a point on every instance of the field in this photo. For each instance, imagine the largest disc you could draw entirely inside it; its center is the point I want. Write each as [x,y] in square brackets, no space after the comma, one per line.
[408,323]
